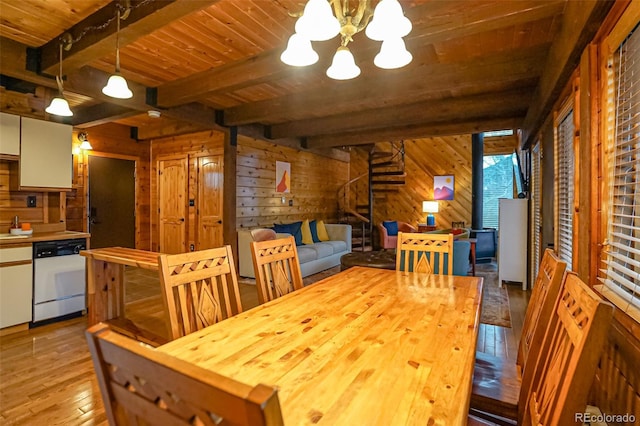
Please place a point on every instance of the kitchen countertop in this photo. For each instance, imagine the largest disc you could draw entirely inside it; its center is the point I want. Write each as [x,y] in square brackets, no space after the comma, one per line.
[43,236]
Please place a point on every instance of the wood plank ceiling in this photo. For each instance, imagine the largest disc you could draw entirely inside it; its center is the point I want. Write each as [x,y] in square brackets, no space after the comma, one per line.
[212,64]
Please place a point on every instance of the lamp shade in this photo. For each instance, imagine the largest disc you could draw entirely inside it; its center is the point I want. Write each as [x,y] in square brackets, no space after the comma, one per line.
[430,207]
[59,106]
[317,22]
[117,87]
[299,52]
[388,22]
[343,66]
[393,54]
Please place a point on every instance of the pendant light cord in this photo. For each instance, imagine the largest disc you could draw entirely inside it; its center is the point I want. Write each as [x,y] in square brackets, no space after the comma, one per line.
[59,76]
[118,42]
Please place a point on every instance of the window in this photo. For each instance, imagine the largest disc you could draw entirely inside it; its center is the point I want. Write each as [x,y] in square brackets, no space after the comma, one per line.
[622,254]
[564,159]
[497,183]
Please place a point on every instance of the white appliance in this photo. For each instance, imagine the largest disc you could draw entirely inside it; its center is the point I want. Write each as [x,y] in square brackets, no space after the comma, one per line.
[59,279]
[512,241]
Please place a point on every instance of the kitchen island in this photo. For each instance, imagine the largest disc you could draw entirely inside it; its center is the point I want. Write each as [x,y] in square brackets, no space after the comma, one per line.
[106,287]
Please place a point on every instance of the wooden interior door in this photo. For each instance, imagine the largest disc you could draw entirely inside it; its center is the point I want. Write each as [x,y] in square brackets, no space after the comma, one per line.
[209,202]
[172,204]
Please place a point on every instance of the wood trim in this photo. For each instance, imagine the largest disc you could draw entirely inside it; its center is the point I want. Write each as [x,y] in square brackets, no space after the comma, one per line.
[15,263]
[14,329]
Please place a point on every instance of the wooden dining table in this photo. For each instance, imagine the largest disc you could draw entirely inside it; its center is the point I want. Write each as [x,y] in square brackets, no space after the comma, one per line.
[366,346]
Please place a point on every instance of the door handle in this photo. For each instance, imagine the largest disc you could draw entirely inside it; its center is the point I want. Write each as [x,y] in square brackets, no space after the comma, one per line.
[219,222]
[182,219]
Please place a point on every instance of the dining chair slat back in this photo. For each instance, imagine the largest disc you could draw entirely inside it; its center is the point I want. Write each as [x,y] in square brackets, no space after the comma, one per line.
[497,380]
[199,289]
[428,253]
[142,386]
[567,361]
[277,268]
[543,296]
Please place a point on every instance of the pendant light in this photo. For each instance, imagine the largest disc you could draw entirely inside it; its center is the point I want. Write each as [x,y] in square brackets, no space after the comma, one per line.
[343,66]
[59,105]
[117,86]
[299,52]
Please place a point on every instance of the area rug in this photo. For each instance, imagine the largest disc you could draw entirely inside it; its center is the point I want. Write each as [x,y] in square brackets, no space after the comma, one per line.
[495,300]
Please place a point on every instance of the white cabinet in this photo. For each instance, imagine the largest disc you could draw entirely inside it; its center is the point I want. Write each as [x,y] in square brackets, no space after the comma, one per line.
[9,134]
[16,286]
[46,161]
[512,241]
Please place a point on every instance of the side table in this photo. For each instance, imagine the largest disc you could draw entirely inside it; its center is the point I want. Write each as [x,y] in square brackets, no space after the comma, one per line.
[423,227]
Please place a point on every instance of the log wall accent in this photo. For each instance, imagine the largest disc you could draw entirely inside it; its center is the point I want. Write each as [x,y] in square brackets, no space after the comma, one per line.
[111,140]
[190,145]
[500,145]
[315,181]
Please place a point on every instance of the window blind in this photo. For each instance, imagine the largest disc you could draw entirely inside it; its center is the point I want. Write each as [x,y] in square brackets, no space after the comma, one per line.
[622,254]
[565,188]
[536,218]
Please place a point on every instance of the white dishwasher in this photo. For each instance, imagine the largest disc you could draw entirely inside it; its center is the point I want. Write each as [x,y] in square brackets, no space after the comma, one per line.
[59,280]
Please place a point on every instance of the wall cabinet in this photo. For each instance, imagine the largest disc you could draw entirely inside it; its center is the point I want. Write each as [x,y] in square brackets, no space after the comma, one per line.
[9,134]
[16,286]
[512,241]
[46,161]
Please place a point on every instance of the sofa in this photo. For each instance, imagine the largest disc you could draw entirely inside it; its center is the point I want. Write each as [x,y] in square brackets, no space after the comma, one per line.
[313,258]
[461,251]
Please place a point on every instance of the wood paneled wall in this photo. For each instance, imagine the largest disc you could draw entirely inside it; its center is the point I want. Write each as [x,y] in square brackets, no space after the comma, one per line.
[315,181]
[188,145]
[111,140]
[424,159]
[14,203]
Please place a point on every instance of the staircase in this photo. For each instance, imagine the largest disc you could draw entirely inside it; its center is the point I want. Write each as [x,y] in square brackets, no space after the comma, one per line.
[356,198]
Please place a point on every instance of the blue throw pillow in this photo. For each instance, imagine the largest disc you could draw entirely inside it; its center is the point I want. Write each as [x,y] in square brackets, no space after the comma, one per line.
[290,228]
[391,226]
[314,231]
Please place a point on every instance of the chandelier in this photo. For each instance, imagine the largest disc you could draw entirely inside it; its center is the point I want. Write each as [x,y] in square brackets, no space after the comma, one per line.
[318,23]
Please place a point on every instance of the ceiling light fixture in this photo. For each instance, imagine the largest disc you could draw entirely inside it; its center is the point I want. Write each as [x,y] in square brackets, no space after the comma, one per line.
[117,86]
[84,141]
[59,105]
[318,23]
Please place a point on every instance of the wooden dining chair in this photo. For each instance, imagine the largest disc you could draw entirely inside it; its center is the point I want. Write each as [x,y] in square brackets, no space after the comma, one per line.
[425,253]
[556,383]
[141,386]
[497,380]
[277,268]
[200,289]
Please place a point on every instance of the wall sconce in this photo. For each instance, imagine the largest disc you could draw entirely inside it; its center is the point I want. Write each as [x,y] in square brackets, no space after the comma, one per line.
[430,207]
[84,141]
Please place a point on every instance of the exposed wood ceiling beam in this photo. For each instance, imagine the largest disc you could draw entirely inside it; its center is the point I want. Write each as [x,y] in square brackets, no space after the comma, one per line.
[164,129]
[100,114]
[145,17]
[394,88]
[470,125]
[488,105]
[580,22]
[437,27]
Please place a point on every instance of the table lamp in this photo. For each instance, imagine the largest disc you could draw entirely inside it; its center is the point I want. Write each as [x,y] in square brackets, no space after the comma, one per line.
[430,207]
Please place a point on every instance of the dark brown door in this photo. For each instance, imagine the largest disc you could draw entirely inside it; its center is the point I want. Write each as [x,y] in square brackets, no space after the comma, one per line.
[112,202]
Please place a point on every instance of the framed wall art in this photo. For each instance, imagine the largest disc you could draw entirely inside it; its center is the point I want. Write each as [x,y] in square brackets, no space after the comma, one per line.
[443,187]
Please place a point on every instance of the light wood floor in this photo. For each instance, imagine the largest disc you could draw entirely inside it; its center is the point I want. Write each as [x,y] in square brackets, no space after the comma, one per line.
[46,373]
